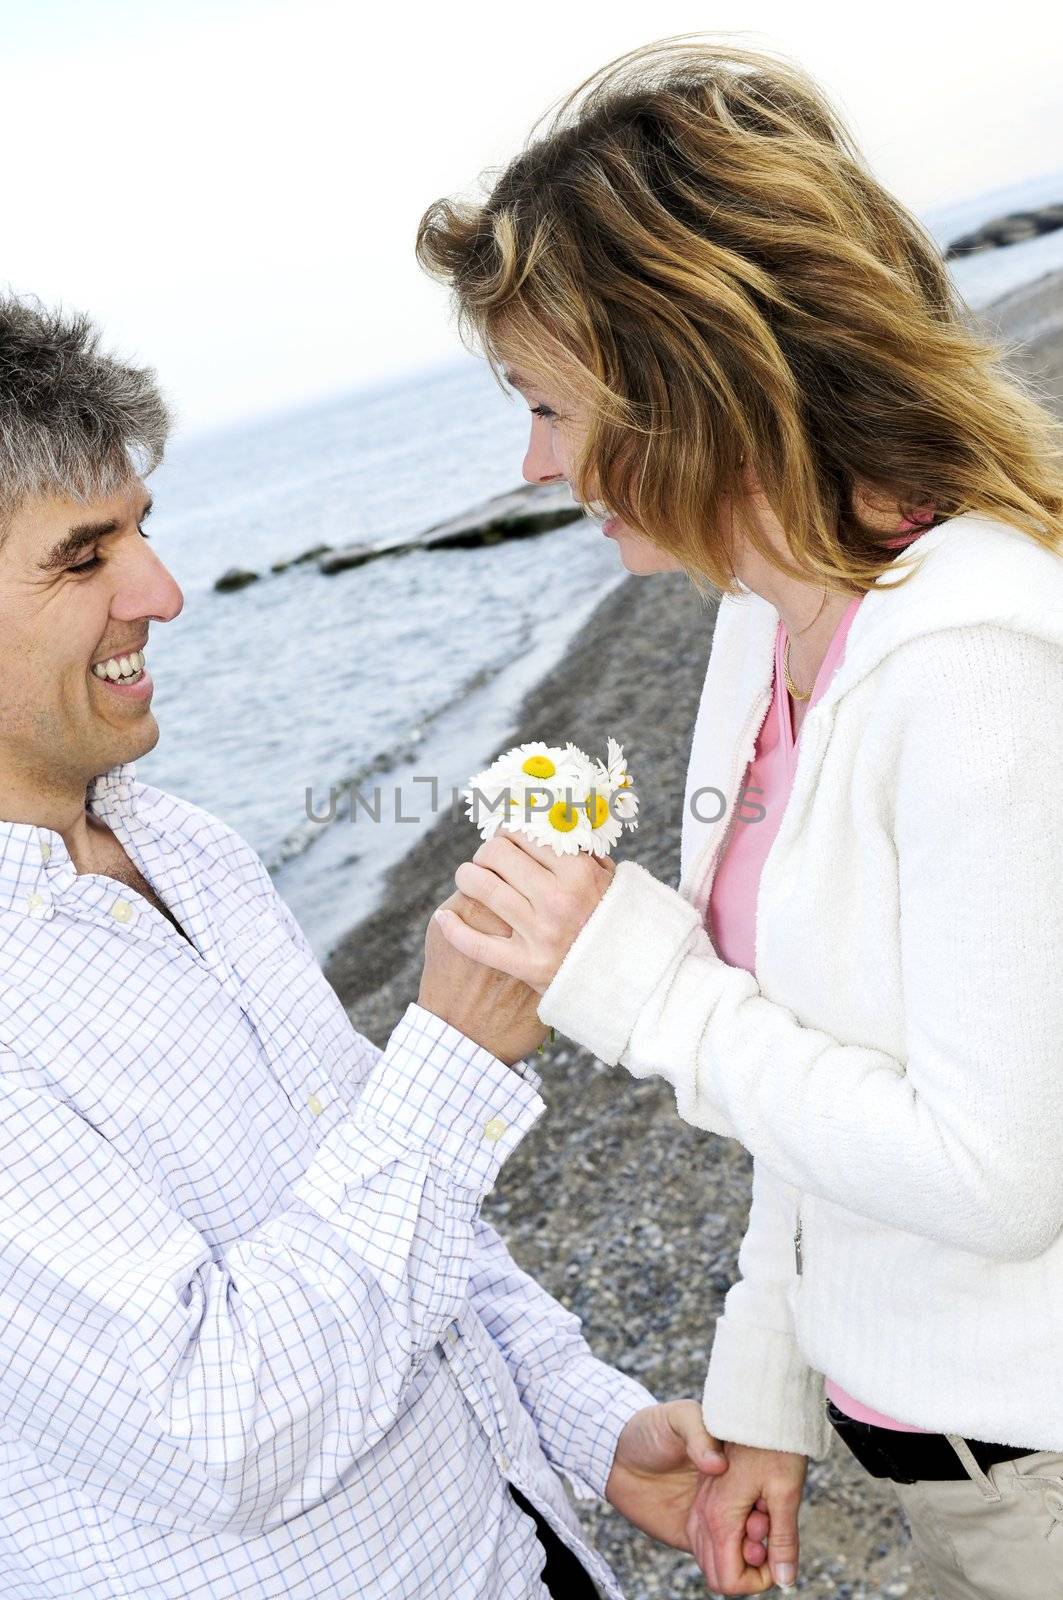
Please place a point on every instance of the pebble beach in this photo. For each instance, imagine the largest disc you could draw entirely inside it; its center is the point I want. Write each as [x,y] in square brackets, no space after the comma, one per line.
[630,1217]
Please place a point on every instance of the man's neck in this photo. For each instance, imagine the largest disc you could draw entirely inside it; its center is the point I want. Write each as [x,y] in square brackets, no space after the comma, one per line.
[63,811]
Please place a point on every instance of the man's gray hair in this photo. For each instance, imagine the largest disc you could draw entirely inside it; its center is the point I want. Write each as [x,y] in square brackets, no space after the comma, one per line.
[73,421]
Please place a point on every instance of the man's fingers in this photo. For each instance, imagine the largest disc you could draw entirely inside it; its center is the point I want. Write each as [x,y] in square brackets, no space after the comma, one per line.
[736,1574]
[758,1526]
[754,1553]
[687,1423]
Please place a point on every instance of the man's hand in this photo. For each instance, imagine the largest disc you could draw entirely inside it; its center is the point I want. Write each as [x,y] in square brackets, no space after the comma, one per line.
[495,1011]
[664,1457]
[728,1543]
[542,900]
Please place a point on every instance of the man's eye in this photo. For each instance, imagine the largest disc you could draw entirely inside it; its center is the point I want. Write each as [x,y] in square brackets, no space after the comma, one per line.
[97,561]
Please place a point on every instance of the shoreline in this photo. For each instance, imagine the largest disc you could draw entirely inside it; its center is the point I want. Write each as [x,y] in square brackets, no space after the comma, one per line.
[630,1217]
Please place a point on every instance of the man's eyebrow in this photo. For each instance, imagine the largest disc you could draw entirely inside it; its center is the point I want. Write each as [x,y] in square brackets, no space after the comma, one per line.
[80,536]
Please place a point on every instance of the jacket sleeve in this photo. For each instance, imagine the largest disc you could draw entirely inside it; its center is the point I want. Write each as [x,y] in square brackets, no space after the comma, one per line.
[208,1388]
[578,1403]
[759,1389]
[960,1139]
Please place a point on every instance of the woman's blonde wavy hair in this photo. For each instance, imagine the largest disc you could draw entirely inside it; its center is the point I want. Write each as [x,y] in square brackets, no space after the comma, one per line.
[696,246]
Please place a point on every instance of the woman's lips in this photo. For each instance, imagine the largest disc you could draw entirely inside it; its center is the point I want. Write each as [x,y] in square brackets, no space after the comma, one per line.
[610,525]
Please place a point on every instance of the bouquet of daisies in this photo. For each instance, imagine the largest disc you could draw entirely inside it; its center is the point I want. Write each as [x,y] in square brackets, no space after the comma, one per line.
[556,796]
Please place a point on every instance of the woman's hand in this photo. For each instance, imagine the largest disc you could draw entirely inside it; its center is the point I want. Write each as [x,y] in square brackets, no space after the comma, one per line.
[663,1458]
[756,1481]
[493,1010]
[543,898]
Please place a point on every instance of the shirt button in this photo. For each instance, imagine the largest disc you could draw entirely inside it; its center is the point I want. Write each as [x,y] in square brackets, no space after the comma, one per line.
[315,1103]
[452,1334]
[46,850]
[494,1128]
[504,1464]
[121,911]
[34,901]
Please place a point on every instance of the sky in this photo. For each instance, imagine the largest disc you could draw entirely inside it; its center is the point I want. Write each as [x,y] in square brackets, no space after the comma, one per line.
[232,189]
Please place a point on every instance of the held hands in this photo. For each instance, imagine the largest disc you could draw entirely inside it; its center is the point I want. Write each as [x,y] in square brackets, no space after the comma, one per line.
[737,1554]
[544,898]
[666,1463]
[493,1010]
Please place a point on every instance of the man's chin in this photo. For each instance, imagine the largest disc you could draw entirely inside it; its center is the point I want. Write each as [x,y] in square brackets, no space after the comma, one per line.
[134,746]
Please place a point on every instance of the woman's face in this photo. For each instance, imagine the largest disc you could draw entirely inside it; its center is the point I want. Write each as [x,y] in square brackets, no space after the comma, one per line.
[557,431]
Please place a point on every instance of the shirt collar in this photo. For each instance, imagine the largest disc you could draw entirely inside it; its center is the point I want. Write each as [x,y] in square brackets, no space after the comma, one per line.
[35,865]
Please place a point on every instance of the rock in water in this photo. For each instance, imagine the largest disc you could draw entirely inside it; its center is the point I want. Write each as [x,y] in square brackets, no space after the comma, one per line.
[235,578]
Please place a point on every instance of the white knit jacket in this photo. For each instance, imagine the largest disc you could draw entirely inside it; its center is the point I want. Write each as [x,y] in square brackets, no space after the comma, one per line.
[896,1064]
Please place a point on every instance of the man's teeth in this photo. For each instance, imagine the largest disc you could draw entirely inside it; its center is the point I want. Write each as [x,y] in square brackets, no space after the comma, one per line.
[120,666]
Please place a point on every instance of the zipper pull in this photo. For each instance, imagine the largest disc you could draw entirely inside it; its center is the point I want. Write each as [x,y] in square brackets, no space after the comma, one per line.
[797,1247]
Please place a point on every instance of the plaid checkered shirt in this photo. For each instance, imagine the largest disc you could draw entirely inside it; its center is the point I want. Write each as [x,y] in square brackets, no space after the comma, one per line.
[255,1339]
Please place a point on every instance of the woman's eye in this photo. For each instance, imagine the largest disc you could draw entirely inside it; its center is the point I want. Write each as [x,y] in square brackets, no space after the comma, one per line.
[542,411]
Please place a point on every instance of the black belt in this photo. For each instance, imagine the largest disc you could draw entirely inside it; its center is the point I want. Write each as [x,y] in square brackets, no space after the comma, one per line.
[563,1575]
[912,1457]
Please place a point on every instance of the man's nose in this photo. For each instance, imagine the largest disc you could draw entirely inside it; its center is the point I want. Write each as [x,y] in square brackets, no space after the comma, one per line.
[148,589]
[540,465]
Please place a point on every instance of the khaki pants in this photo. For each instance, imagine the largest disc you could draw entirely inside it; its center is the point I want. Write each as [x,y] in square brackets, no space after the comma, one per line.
[991,1536]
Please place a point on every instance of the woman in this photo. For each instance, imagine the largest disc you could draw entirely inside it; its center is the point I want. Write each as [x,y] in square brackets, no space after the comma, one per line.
[738,344]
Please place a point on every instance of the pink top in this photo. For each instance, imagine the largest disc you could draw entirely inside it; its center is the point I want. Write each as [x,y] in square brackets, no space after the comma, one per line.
[733,899]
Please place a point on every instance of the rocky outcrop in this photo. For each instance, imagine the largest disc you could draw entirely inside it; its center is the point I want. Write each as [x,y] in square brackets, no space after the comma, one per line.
[356,555]
[537,508]
[1012,229]
[519,514]
[313,554]
[235,578]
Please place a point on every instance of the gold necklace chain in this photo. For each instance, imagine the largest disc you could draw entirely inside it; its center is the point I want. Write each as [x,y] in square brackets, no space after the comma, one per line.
[794,690]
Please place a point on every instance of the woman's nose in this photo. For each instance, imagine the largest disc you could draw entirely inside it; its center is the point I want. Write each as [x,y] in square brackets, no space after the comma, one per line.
[540,464]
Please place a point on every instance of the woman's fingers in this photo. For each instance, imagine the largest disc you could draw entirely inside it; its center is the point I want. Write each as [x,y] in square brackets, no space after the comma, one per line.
[490,950]
[522,864]
[783,1541]
[479,883]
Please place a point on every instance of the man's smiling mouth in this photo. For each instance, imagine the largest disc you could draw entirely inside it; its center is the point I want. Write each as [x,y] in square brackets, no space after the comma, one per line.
[121,669]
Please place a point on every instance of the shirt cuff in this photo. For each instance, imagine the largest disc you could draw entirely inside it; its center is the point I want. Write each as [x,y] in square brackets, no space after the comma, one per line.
[760,1391]
[590,1405]
[617,960]
[436,1090]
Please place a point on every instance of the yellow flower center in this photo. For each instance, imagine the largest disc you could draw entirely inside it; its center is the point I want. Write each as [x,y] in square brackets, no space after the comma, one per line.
[539,767]
[562,817]
[597,808]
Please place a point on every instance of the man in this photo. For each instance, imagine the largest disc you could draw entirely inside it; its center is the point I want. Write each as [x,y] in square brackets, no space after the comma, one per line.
[255,1339]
